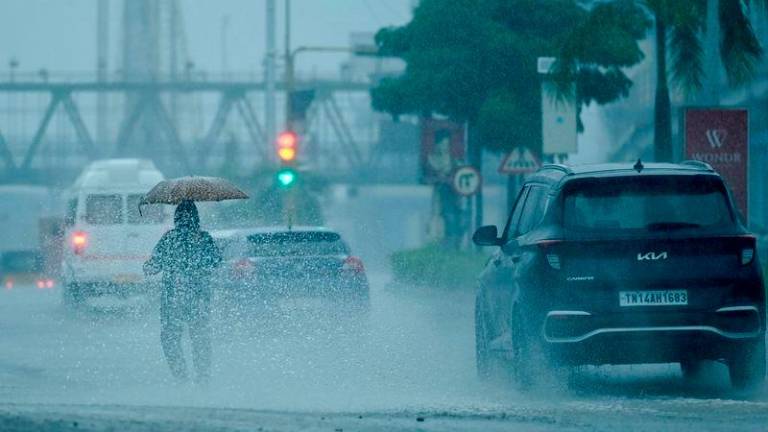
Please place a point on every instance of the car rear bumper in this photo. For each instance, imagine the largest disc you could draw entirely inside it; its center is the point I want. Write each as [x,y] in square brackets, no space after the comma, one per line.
[322,287]
[577,337]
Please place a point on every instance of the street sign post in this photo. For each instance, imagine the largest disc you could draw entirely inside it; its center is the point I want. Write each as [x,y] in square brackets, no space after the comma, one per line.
[466,181]
[519,161]
[720,137]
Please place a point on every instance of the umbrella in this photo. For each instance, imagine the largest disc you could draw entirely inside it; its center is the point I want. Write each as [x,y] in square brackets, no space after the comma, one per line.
[193,188]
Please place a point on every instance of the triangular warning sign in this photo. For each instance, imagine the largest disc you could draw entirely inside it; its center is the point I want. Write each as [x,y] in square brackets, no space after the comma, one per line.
[519,161]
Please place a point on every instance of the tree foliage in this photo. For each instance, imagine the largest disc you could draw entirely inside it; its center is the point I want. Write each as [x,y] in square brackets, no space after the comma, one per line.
[475,61]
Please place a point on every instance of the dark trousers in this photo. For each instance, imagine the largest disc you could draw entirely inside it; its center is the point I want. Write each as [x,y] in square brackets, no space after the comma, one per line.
[177,309]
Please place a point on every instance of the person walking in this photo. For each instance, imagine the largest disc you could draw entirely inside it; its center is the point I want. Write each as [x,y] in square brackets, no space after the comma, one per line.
[186,256]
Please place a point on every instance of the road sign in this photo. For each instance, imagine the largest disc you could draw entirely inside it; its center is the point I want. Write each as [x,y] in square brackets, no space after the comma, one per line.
[720,137]
[519,161]
[466,180]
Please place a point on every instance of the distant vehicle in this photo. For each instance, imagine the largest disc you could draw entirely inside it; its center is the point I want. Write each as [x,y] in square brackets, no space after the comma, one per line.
[615,264]
[265,264]
[108,239]
[24,269]
[22,208]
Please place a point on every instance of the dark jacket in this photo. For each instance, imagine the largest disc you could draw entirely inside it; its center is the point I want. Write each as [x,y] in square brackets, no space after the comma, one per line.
[186,256]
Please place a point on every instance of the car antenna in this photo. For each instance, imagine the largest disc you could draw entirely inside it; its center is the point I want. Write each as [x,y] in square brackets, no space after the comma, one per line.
[638,165]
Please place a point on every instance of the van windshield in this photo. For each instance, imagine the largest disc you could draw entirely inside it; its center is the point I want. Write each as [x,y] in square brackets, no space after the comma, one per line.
[653,203]
[149,214]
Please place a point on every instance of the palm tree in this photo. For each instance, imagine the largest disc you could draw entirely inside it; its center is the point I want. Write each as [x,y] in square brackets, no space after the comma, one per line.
[680,26]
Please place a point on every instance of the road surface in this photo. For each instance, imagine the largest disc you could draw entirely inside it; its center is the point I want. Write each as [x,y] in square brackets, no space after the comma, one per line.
[407,366]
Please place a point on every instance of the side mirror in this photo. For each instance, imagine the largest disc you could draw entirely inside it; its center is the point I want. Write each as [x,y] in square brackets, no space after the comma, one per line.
[486,236]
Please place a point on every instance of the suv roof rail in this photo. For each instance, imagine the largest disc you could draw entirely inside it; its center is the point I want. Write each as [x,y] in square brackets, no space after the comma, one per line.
[560,167]
[697,163]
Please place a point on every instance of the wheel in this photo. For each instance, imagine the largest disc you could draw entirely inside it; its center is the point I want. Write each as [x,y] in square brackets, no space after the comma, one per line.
[529,363]
[483,359]
[747,366]
[691,369]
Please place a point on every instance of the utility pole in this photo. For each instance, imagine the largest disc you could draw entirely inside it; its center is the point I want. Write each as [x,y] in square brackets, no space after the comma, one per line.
[269,74]
[173,30]
[224,54]
[102,58]
[289,197]
[288,66]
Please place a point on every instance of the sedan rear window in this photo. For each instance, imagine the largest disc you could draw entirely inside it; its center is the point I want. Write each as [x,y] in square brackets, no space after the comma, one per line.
[652,203]
[296,244]
[104,209]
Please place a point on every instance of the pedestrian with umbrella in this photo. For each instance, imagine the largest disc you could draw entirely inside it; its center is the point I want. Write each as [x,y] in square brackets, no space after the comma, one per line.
[187,256]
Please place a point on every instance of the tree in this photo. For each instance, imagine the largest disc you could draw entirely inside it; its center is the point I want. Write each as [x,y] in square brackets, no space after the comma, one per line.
[680,26]
[475,61]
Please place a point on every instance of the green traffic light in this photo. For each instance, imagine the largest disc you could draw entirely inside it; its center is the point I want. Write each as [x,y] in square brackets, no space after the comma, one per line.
[286,177]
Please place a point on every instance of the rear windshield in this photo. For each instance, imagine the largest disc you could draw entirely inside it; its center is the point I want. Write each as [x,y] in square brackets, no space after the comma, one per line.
[104,209]
[653,203]
[149,214]
[296,244]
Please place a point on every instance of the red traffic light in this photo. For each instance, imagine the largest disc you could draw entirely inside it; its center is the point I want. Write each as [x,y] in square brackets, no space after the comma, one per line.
[287,143]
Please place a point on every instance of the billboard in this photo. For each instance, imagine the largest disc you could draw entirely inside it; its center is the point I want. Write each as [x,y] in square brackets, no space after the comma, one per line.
[720,137]
[442,149]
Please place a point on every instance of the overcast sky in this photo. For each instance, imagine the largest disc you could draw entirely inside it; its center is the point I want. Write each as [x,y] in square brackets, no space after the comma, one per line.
[60,34]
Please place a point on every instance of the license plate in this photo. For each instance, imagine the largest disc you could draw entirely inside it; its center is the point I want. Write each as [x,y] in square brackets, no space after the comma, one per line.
[653,298]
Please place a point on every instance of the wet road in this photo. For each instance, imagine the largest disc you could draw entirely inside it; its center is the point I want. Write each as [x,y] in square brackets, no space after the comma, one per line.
[307,367]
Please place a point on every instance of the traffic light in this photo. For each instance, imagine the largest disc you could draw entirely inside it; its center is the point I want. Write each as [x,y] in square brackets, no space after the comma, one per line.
[287,147]
[286,177]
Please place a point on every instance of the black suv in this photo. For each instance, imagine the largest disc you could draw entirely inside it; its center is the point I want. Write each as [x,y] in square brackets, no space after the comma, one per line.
[622,264]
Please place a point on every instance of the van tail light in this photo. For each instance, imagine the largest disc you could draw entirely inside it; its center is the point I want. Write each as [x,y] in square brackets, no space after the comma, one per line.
[241,268]
[553,259]
[79,242]
[353,265]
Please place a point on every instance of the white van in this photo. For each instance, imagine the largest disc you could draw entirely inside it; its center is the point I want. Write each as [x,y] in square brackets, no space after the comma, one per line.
[108,237]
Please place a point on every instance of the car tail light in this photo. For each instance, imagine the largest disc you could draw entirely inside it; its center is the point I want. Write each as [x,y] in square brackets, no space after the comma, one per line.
[553,259]
[9,284]
[45,283]
[747,255]
[353,265]
[242,268]
[79,242]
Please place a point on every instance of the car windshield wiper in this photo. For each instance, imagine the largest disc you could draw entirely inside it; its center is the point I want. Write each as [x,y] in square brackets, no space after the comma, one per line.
[664,226]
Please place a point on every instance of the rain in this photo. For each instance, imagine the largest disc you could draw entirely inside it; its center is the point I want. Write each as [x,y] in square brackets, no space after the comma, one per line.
[357,215]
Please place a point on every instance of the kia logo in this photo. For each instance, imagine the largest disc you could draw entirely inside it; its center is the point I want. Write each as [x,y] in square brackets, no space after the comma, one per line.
[716,137]
[652,256]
